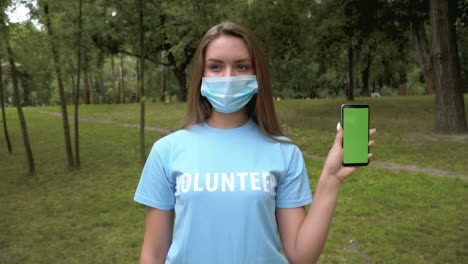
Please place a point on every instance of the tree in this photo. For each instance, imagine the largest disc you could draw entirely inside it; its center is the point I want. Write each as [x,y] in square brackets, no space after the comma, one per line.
[5,126]
[313,47]
[114,88]
[351,13]
[450,108]
[24,129]
[30,47]
[424,54]
[288,43]
[163,80]
[77,89]
[375,33]
[122,92]
[58,72]
[462,38]
[141,81]
[414,15]
[170,30]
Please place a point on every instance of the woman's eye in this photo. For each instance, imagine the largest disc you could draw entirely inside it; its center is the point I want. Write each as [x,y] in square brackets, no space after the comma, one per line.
[214,67]
[243,67]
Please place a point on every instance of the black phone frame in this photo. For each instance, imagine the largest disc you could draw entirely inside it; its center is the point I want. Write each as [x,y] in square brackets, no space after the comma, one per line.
[342,126]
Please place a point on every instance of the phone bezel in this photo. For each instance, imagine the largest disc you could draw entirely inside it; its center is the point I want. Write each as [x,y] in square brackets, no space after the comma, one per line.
[343,106]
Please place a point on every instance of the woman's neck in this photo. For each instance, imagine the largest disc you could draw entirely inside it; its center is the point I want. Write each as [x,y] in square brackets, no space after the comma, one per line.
[228,120]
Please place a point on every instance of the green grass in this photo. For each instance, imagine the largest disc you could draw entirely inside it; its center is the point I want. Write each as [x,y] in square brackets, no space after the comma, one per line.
[88,215]
[395,217]
[82,216]
[157,114]
[405,128]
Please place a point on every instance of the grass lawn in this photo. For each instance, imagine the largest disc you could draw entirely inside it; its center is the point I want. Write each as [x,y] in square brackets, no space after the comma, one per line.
[88,215]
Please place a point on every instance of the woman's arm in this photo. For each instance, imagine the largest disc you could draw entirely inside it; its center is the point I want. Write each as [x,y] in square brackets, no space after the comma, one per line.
[158,236]
[304,235]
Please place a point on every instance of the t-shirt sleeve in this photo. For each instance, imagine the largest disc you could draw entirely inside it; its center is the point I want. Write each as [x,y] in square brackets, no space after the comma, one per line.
[294,189]
[154,189]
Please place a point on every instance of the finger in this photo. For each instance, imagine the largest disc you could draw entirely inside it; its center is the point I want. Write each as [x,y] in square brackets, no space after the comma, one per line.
[347,171]
[338,126]
[372,131]
[371,144]
[339,136]
[370,156]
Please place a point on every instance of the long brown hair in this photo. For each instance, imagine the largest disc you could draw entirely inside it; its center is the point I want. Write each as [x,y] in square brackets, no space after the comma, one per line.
[260,108]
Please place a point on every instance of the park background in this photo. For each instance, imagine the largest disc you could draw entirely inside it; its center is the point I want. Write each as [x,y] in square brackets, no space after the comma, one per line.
[110,78]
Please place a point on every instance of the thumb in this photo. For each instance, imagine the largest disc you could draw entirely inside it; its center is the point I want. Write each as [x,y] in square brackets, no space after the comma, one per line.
[339,134]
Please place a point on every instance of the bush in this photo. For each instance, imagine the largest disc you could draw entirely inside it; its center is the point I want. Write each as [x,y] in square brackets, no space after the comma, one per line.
[388,91]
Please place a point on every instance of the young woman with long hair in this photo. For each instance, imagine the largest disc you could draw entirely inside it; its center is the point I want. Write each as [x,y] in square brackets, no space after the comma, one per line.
[221,188]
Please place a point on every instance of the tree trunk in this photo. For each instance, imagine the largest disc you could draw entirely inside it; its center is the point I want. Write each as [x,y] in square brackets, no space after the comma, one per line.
[142,85]
[180,74]
[63,103]
[121,80]
[402,89]
[181,77]
[73,85]
[25,85]
[429,80]
[163,89]
[366,74]
[87,88]
[349,91]
[100,91]
[450,108]
[16,95]
[95,87]
[114,92]
[424,54]
[77,90]
[162,95]
[5,126]
[137,88]
[402,83]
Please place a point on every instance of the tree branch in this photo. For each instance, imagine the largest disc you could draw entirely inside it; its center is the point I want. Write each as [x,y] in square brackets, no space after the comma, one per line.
[155,61]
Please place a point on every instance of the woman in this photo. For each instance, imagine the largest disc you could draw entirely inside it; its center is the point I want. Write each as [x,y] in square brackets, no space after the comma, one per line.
[230,176]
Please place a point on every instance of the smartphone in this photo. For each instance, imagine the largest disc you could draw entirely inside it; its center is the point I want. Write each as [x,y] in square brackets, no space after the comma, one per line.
[355,124]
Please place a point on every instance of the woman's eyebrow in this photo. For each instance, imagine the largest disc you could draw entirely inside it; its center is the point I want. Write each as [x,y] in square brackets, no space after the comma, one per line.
[214,60]
[220,61]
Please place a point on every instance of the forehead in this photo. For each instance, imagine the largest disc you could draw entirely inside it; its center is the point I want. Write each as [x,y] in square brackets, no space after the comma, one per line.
[226,48]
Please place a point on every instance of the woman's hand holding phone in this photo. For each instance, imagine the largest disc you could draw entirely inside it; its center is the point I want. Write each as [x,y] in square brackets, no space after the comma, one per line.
[336,164]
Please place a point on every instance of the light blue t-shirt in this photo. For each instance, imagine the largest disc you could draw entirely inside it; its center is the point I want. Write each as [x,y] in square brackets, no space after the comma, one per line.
[224,185]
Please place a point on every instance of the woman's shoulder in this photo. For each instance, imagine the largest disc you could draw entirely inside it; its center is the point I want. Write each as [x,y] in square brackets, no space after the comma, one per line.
[179,136]
[173,136]
[283,139]
[287,145]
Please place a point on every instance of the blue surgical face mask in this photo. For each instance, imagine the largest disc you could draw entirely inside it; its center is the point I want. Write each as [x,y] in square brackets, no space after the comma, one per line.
[229,94]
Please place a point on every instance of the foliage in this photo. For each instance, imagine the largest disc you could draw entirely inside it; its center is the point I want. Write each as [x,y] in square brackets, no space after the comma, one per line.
[415,86]
[306,43]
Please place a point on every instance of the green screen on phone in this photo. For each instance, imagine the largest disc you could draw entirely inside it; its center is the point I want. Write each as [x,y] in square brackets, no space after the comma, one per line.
[355,122]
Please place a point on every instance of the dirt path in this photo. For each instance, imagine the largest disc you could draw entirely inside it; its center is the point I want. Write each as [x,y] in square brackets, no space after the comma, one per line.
[417,169]
[409,168]
[377,164]
[161,129]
